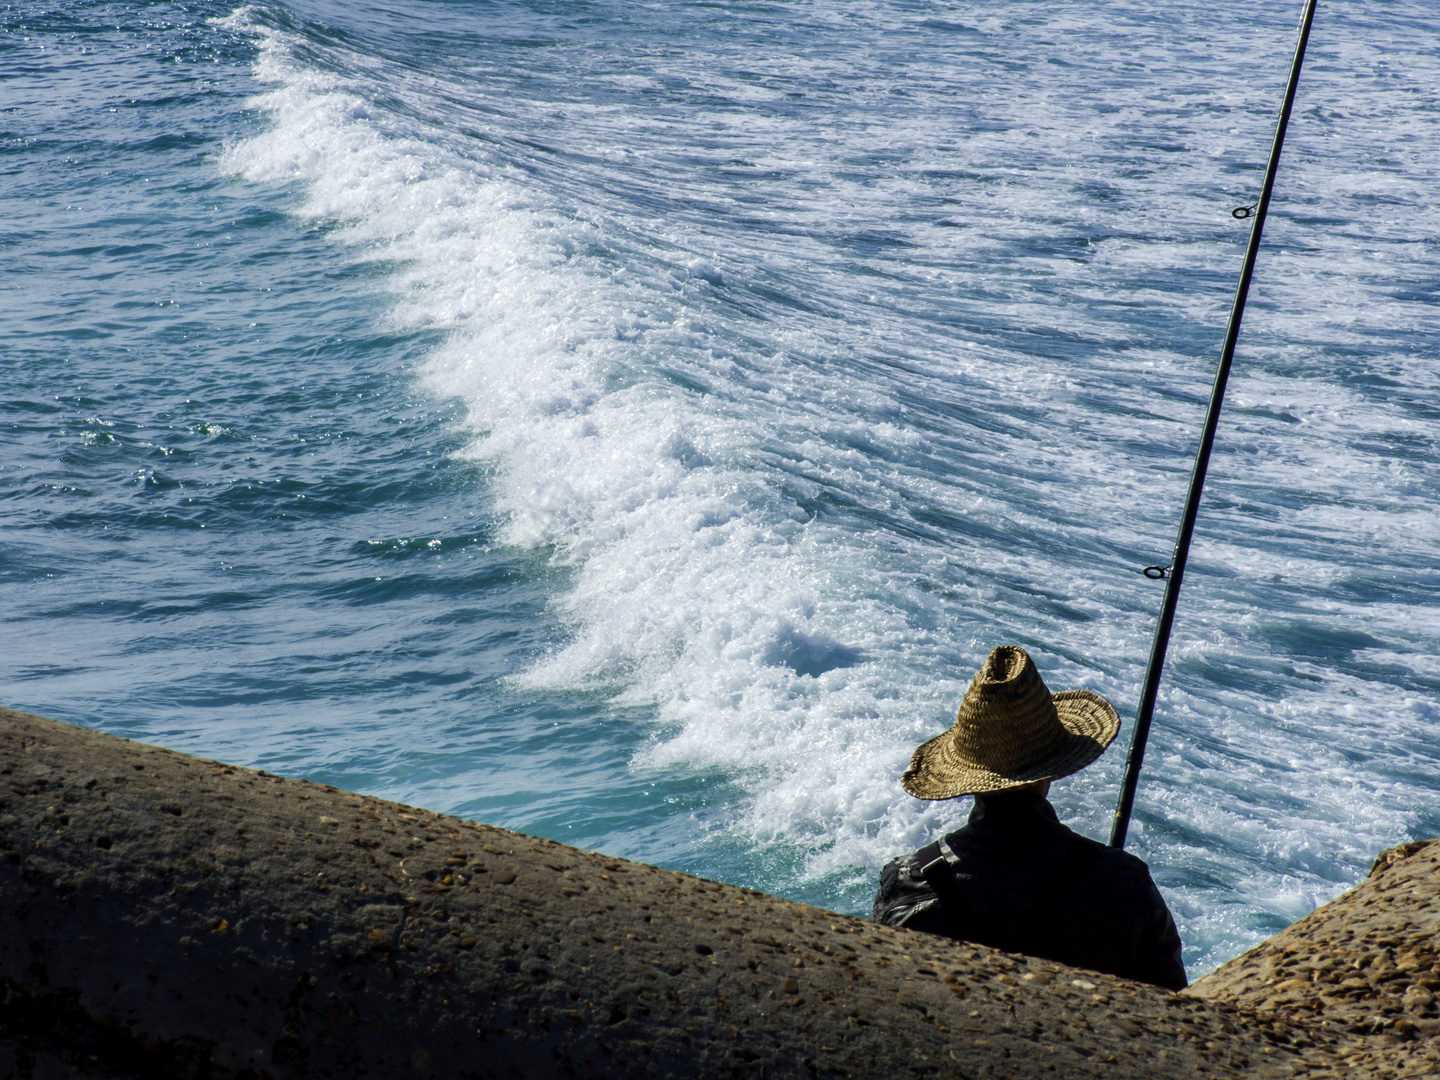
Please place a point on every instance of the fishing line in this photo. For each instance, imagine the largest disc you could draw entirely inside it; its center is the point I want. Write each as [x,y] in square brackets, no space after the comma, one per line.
[1174,573]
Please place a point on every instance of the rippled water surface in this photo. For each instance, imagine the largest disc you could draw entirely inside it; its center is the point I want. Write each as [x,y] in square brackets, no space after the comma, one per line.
[634,423]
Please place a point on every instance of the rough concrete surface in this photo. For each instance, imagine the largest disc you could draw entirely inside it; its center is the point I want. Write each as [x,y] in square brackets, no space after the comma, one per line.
[1367,964]
[164,916]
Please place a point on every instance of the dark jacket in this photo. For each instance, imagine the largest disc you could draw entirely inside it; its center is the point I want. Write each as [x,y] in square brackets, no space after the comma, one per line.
[1016,879]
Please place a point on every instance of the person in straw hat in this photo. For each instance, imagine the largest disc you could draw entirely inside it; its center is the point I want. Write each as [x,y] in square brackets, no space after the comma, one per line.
[1014,877]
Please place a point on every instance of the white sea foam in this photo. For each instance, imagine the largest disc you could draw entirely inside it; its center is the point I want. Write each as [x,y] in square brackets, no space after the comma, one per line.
[793,532]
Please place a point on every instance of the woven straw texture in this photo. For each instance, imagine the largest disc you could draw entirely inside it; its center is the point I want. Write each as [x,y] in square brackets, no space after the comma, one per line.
[1012,731]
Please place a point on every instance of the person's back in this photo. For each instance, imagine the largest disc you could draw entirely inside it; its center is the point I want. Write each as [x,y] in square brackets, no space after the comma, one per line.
[1015,878]
[1020,881]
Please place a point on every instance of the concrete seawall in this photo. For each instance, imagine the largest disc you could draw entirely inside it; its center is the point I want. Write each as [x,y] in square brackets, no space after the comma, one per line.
[1364,965]
[164,916]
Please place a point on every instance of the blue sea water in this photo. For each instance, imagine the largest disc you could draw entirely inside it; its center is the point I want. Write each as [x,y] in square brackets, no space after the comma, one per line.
[633,423]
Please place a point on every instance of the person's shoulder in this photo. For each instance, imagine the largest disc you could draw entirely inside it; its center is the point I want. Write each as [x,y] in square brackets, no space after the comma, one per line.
[1115,864]
[914,860]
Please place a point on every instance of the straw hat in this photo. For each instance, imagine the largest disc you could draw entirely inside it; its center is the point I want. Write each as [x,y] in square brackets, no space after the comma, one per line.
[1012,731]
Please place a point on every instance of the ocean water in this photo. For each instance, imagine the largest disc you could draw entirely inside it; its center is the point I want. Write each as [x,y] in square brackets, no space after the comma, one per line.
[634,423]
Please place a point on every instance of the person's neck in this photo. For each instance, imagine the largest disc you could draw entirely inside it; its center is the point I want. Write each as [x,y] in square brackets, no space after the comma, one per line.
[1015,797]
[1014,806]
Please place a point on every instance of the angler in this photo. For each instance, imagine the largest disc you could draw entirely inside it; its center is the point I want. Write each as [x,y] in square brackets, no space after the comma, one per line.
[1014,877]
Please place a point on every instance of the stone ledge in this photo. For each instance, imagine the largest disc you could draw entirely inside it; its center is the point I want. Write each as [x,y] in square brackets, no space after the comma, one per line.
[1367,965]
[162,915]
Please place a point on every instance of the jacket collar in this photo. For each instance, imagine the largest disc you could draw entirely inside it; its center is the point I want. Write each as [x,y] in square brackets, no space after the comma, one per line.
[1012,810]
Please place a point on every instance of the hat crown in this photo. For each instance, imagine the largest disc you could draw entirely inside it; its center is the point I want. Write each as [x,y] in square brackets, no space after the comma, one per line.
[1007,720]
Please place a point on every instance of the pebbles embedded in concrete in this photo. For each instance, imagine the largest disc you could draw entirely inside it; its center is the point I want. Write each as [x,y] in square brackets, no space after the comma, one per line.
[1363,968]
[277,928]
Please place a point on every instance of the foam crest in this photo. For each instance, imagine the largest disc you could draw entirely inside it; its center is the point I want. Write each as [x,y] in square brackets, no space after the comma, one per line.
[702,587]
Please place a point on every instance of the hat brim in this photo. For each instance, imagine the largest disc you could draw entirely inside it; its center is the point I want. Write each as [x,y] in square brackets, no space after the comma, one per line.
[1090,722]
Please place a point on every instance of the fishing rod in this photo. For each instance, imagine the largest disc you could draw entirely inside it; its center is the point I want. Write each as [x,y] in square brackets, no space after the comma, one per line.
[1174,574]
